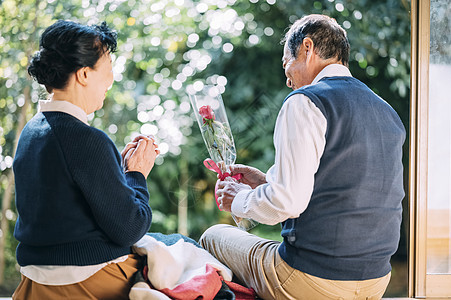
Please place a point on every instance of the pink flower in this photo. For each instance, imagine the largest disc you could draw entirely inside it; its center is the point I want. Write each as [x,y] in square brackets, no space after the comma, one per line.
[207,113]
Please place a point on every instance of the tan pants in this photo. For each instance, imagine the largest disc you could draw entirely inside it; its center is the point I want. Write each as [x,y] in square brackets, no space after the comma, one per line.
[111,282]
[257,264]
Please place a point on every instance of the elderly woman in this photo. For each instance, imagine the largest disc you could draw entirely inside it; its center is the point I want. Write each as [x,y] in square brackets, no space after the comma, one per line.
[81,204]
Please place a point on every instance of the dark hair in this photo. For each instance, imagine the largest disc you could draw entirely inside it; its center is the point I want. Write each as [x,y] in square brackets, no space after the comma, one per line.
[65,47]
[329,38]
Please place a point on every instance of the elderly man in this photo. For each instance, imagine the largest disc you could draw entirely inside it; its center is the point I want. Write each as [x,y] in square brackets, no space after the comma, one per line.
[335,186]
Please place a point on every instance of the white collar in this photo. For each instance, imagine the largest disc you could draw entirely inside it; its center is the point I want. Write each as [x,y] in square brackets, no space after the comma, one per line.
[63,106]
[332,71]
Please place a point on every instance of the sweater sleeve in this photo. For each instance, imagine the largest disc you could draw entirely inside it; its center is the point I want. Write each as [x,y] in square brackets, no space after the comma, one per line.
[118,201]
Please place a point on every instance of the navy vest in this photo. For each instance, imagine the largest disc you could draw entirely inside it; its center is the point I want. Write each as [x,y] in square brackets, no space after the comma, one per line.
[351,226]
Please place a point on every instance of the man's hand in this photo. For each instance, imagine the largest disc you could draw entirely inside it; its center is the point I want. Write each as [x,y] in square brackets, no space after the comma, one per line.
[251,176]
[227,190]
[139,155]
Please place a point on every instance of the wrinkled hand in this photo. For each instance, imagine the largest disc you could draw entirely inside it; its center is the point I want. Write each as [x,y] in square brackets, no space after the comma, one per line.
[139,155]
[227,190]
[251,176]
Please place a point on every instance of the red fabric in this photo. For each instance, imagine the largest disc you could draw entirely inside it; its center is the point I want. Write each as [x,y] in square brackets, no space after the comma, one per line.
[204,286]
[241,292]
[211,165]
[145,271]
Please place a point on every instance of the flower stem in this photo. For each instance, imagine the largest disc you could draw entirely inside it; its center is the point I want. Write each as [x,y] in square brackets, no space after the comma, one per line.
[217,149]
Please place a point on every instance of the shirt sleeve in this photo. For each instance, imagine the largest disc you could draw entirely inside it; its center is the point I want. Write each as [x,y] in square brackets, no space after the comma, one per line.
[299,141]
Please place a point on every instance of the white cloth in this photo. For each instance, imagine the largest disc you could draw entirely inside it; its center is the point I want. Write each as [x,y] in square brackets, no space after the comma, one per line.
[63,106]
[172,266]
[63,275]
[142,291]
[299,141]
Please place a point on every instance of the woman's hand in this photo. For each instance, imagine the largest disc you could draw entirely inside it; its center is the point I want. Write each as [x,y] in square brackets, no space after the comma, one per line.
[251,176]
[139,155]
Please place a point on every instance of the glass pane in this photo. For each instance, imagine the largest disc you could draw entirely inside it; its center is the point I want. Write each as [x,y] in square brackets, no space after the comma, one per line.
[439,144]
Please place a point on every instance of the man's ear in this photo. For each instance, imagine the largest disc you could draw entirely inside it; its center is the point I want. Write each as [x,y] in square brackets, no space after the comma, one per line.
[81,76]
[308,46]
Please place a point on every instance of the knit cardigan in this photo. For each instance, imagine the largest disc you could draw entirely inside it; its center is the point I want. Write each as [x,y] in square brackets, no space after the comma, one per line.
[76,206]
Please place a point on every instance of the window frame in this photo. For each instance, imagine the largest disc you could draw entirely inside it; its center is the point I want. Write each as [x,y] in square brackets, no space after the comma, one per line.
[421,284]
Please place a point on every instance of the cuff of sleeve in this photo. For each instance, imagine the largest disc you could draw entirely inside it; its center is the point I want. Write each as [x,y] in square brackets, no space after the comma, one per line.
[240,205]
[136,179]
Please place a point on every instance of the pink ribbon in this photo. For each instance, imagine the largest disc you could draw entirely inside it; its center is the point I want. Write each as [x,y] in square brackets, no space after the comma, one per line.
[211,165]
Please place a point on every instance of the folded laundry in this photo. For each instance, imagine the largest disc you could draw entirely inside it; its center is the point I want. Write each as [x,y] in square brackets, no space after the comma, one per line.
[178,268]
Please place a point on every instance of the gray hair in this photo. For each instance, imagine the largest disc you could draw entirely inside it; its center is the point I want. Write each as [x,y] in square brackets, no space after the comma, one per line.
[329,38]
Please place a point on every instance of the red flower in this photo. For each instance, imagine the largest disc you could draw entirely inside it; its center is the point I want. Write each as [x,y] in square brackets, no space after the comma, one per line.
[207,113]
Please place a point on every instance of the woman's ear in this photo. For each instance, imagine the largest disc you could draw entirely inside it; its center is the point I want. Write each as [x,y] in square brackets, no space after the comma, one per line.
[81,76]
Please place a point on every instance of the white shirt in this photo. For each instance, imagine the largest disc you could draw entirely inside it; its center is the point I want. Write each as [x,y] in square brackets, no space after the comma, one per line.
[63,275]
[299,141]
[63,106]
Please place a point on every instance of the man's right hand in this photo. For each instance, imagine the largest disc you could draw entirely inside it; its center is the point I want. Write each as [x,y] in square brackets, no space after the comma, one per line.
[251,176]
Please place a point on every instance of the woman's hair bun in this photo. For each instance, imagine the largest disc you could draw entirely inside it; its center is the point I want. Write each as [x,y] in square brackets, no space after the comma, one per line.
[67,46]
[49,69]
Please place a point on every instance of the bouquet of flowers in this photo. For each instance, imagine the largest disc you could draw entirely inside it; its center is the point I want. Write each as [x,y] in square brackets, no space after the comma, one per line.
[214,126]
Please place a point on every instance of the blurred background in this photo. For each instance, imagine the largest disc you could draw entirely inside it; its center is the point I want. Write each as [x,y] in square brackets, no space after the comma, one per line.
[164,46]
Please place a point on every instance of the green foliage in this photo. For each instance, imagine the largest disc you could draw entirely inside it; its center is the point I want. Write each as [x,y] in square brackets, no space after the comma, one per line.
[165,46]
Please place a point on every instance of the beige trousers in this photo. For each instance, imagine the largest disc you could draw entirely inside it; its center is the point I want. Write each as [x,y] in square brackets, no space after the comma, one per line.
[257,264]
[111,282]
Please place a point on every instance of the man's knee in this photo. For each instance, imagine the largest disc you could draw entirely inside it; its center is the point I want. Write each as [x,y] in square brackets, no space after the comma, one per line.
[211,233]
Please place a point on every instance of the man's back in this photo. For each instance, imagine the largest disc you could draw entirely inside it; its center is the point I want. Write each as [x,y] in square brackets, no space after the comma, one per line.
[351,226]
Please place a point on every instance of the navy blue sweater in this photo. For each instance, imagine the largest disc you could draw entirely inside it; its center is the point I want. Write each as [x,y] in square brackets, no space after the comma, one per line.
[76,206]
[351,226]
